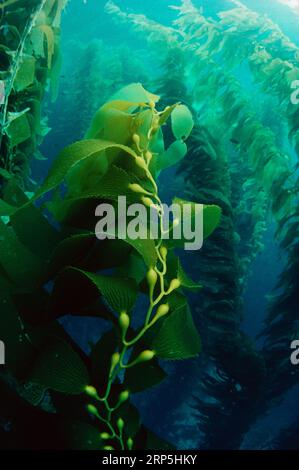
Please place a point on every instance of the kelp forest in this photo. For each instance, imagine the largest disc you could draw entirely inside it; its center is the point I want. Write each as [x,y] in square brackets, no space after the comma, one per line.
[128,343]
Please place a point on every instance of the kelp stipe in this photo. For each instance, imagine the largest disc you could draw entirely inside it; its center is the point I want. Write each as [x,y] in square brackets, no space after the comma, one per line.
[65,272]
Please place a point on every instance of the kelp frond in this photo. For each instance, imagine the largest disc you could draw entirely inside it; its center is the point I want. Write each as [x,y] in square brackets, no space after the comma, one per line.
[30,61]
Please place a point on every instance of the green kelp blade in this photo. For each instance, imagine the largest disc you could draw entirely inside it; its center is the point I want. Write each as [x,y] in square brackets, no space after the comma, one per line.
[141,126]
[75,294]
[26,73]
[59,367]
[176,300]
[35,231]
[113,184]
[80,435]
[120,293]
[76,205]
[86,252]
[13,194]
[37,42]
[156,145]
[211,220]
[174,154]
[164,115]
[133,266]
[50,40]
[143,376]
[6,209]
[73,154]
[71,251]
[144,246]
[22,267]
[5,174]
[178,337]
[176,270]
[18,129]
[111,124]
[281,199]
[114,121]
[211,216]
[182,122]
[87,173]
[135,93]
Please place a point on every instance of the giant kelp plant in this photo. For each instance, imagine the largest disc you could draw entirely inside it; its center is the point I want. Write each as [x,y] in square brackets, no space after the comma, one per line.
[30,59]
[237,160]
[75,400]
